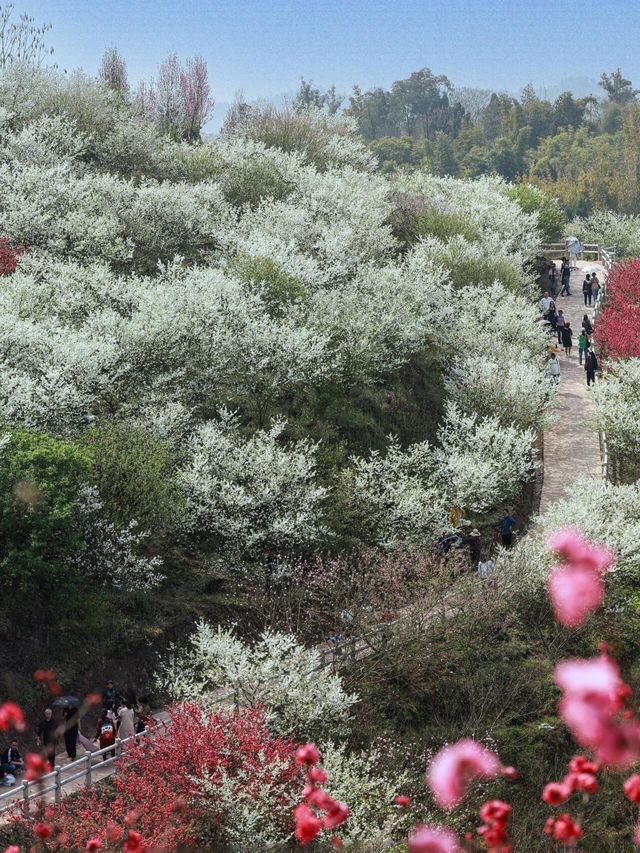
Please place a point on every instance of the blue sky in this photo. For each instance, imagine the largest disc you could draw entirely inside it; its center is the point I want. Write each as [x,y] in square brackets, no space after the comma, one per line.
[263,46]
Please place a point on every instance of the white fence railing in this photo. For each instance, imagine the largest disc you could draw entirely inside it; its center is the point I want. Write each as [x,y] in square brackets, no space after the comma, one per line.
[61,776]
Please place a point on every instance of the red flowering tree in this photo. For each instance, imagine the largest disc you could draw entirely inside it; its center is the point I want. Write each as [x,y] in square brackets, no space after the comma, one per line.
[186,786]
[618,328]
[9,256]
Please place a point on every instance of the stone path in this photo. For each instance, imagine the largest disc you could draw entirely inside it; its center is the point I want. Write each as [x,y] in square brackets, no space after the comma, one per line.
[571,445]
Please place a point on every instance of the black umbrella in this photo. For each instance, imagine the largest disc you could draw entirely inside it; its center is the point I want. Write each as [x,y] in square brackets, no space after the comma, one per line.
[67,702]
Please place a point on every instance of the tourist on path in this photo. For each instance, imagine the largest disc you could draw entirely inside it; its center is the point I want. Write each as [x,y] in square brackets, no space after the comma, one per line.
[71,732]
[553,281]
[106,733]
[553,368]
[47,735]
[125,724]
[560,321]
[546,303]
[506,528]
[11,760]
[586,325]
[144,716]
[583,344]
[565,272]
[586,290]
[595,287]
[574,247]
[110,696]
[591,365]
[567,339]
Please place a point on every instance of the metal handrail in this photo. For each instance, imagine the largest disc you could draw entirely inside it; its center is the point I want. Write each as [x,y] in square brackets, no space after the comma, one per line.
[34,790]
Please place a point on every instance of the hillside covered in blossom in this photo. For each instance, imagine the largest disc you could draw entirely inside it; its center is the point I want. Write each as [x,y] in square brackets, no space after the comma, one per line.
[248,386]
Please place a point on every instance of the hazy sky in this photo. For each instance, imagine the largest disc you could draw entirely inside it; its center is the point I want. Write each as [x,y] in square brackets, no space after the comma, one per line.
[263,46]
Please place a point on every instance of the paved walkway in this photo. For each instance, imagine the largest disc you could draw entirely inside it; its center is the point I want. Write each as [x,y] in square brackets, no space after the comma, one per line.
[571,446]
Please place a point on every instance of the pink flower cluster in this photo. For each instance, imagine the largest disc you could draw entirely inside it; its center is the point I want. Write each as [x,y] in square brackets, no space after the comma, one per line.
[576,587]
[594,708]
[308,824]
[455,766]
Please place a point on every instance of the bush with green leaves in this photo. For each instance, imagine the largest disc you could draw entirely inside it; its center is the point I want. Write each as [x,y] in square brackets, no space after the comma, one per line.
[40,480]
[551,224]
[135,475]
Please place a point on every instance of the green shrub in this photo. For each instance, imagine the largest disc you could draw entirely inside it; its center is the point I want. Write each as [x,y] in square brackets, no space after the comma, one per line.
[534,200]
[277,288]
[434,223]
[40,477]
[134,473]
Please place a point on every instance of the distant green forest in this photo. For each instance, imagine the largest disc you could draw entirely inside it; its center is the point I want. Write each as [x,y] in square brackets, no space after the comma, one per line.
[586,151]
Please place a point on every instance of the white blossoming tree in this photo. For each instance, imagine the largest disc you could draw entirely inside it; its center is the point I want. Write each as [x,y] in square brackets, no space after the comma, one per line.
[251,493]
[300,697]
[617,399]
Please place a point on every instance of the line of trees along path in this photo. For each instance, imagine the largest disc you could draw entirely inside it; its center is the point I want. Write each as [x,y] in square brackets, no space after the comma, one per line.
[571,445]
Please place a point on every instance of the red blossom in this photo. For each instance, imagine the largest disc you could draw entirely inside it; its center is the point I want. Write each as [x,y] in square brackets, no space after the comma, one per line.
[44,675]
[402,800]
[308,826]
[580,764]
[495,810]
[43,830]
[11,716]
[617,331]
[9,256]
[632,788]
[94,844]
[307,754]
[36,766]
[133,842]
[317,775]
[563,828]
[555,793]
[336,815]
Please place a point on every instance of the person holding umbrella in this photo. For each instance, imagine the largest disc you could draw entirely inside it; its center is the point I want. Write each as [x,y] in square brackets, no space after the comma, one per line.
[69,705]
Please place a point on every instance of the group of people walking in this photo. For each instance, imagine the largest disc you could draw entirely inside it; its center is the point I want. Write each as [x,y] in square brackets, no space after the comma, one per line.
[120,717]
[590,285]
[561,327]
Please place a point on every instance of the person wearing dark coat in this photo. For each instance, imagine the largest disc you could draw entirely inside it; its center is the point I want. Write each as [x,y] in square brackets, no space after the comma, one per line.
[565,274]
[567,338]
[591,365]
[71,732]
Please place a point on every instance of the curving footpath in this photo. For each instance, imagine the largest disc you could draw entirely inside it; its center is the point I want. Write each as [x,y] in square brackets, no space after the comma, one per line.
[571,445]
